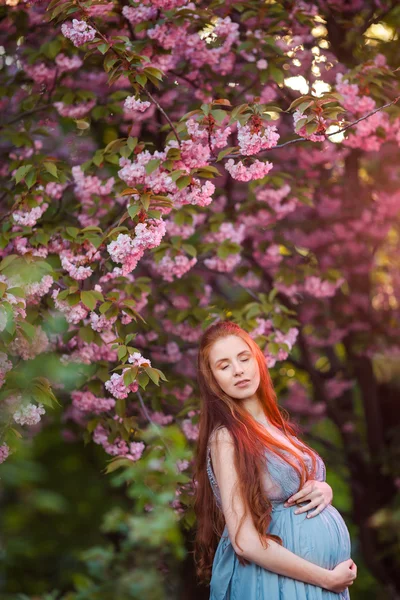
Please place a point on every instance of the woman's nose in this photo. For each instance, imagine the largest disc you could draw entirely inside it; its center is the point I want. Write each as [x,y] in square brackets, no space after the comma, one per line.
[238,369]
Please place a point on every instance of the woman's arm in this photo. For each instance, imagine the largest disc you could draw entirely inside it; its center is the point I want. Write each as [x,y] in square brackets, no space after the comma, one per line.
[275,558]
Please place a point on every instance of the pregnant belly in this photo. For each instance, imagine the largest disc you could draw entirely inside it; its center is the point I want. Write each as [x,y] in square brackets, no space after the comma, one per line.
[323,539]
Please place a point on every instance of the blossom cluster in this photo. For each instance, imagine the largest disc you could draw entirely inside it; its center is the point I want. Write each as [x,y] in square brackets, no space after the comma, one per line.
[254,139]
[29,414]
[128,251]
[88,402]
[79,32]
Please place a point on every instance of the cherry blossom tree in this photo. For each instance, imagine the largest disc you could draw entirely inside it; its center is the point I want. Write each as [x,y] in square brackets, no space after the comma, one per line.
[167,164]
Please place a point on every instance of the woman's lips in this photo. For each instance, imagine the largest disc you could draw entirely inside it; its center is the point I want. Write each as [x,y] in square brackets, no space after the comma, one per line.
[242,383]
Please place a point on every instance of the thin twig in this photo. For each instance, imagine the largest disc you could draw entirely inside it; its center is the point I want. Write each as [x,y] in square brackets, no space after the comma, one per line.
[162,111]
[327,135]
[148,94]
[26,114]
[150,420]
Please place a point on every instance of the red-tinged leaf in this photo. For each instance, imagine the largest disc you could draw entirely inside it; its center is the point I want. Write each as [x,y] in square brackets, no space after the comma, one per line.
[222,102]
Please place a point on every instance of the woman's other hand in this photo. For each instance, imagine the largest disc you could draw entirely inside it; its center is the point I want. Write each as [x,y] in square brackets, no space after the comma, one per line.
[318,494]
[341,576]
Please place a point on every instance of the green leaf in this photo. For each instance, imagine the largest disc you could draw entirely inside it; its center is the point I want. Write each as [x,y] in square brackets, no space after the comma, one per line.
[122,352]
[226,151]
[22,172]
[28,330]
[152,165]
[152,373]
[183,182]
[133,210]
[51,168]
[103,48]
[132,143]
[117,463]
[311,128]
[154,72]
[86,334]
[141,79]
[189,249]
[143,380]
[88,300]
[219,114]
[31,179]
[7,261]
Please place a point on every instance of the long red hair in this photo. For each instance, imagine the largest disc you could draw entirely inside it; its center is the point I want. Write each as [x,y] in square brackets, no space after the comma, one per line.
[250,439]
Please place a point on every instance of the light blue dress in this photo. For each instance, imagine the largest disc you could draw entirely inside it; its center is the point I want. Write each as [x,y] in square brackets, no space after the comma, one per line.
[323,540]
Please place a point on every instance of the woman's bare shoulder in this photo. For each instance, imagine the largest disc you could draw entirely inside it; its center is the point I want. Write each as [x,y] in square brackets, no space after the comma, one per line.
[220,435]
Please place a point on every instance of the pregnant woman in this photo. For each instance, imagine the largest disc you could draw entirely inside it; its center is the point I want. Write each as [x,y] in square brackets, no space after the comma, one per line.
[265,527]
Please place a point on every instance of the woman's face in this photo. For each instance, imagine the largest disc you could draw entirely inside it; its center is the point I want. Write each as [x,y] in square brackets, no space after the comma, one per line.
[234,367]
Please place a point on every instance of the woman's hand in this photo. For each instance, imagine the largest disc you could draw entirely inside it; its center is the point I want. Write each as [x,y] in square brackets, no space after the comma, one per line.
[319,494]
[341,576]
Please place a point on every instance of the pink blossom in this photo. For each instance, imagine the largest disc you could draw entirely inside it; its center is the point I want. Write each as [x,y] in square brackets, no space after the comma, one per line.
[227,231]
[170,268]
[29,414]
[197,194]
[75,111]
[257,170]
[252,140]
[160,419]
[336,387]
[117,388]
[182,394]
[55,190]
[135,451]
[74,314]
[5,366]
[4,452]
[137,360]
[270,257]
[288,338]
[139,13]
[299,401]
[262,64]
[172,353]
[129,251]
[321,289]
[101,323]
[35,291]
[100,10]
[264,327]
[217,136]
[79,32]
[190,430]
[313,137]
[71,264]
[87,186]
[132,104]
[183,330]
[88,402]
[30,217]
[28,350]
[223,265]
[40,73]
[22,246]
[65,63]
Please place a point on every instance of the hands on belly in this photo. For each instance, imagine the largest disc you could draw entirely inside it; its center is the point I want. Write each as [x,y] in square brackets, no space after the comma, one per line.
[318,494]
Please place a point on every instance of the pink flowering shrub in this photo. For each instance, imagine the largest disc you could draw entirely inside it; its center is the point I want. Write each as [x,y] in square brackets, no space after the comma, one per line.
[161,172]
